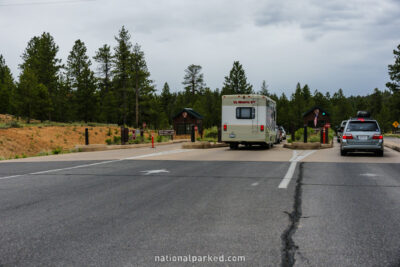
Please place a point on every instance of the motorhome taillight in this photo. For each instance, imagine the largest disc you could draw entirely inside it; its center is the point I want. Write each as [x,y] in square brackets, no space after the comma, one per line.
[225,127]
[347,136]
[377,136]
[262,128]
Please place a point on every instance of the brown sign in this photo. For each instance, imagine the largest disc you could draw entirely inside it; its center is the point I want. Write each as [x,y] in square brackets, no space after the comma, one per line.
[166,132]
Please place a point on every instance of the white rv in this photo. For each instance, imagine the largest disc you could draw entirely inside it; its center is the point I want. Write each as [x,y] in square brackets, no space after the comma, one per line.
[248,120]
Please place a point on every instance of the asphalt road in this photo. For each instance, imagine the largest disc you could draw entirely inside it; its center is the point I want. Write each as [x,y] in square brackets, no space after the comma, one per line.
[127,207]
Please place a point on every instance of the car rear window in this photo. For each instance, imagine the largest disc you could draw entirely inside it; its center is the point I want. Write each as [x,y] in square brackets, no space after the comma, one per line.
[362,126]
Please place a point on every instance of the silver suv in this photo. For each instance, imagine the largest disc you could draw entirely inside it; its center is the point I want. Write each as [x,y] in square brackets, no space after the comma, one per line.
[361,134]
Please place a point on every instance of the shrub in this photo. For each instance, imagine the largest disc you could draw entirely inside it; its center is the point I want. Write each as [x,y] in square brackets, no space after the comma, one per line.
[109,141]
[57,150]
[211,132]
[14,124]
[314,138]
[117,139]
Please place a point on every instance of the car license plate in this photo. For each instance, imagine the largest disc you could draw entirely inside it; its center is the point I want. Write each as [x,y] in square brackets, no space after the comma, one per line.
[232,135]
[363,137]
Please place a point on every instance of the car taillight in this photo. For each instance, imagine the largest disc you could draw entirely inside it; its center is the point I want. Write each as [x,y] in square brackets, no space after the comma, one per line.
[225,127]
[262,128]
[377,136]
[347,136]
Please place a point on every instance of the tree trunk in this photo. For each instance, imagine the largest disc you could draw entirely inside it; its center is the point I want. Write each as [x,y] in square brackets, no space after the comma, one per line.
[137,104]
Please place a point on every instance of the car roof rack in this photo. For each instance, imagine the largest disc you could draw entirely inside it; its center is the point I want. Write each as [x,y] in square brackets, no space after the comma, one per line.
[363,114]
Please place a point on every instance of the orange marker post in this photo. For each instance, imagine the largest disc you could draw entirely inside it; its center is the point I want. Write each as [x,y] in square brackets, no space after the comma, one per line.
[152,141]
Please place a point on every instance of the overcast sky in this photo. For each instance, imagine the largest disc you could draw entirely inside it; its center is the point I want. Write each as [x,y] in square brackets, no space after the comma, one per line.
[326,44]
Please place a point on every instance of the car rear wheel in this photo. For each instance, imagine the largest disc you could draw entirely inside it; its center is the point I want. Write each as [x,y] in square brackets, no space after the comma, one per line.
[343,153]
[379,153]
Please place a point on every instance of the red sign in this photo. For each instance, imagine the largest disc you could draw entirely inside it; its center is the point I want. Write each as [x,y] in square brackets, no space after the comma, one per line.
[144,125]
[244,102]
[195,128]
[328,125]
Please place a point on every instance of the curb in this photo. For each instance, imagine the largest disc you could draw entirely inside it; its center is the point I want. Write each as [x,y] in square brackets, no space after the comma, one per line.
[203,145]
[392,146]
[307,146]
[101,147]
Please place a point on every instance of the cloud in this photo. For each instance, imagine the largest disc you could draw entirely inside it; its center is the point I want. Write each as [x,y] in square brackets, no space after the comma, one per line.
[328,44]
[318,18]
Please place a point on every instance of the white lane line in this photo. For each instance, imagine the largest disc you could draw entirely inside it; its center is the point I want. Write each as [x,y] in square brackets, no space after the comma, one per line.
[76,167]
[9,177]
[297,156]
[154,171]
[289,175]
[100,163]
[160,153]
[254,184]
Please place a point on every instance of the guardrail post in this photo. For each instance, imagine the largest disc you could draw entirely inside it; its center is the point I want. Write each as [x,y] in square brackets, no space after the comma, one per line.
[219,134]
[327,135]
[305,133]
[193,134]
[87,136]
[122,135]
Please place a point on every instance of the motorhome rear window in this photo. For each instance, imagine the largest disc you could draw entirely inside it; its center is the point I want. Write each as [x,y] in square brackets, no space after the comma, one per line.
[245,113]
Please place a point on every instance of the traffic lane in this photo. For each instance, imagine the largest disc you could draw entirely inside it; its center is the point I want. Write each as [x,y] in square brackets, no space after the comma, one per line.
[349,219]
[55,162]
[20,168]
[98,155]
[118,215]
[333,155]
[275,154]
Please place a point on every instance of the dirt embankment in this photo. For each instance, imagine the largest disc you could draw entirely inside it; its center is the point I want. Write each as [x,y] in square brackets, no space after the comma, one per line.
[35,140]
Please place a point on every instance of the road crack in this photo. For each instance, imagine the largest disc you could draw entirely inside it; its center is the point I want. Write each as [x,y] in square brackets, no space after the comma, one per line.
[289,247]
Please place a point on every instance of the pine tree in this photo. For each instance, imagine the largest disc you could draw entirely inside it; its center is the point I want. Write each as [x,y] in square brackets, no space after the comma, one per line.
[394,85]
[264,89]
[236,82]
[167,102]
[40,57]
[139,76]
[394,72]
[193,79]
[82,81]
[27,95]
[121,71]
[6,87]
[107,97]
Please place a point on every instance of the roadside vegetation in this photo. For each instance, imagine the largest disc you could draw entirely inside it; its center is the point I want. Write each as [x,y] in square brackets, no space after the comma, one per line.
[312,136]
